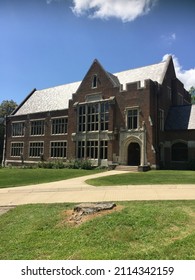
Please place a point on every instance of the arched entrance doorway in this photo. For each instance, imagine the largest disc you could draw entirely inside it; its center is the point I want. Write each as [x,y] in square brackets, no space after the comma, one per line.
[133,154]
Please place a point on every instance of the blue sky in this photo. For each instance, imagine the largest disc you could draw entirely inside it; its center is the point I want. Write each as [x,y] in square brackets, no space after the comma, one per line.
[45,43]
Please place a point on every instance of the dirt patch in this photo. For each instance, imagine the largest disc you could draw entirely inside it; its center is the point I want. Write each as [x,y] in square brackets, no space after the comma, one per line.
[75,218]
[5,209]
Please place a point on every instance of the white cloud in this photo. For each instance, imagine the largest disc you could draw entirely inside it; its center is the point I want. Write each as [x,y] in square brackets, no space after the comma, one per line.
[125,10]
[169,38]
[187,77]
[50,1]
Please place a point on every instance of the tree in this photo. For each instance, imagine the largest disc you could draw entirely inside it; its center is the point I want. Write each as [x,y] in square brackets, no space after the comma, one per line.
[192,92]
[7,107]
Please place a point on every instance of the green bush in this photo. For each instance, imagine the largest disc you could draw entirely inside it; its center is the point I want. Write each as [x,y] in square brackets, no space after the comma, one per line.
[191,164]
[79,164]
[73,164]
[51,164]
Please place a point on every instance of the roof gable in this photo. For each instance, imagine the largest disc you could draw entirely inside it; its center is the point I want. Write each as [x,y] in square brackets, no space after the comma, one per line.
[102,78]
[57,98]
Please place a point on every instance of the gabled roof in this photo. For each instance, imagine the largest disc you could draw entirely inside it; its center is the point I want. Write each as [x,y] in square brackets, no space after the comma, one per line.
[50,99]
[153,72]
[57,98]
[181,118]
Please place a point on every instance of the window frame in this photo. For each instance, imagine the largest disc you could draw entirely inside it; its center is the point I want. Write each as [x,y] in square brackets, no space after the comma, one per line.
[36,127]
[62,150]
[93,116]
[131,120]
[94,81]
[59,128]
[41,149]
[14,149]
[21,129]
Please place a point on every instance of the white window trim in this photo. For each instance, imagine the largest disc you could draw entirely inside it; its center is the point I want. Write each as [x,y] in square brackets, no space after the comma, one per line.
[34,120]
[59,141]
[138,117]
[19,142]
[29,148]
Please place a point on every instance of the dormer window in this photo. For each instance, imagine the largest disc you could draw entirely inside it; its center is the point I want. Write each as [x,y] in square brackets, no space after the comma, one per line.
[94,81]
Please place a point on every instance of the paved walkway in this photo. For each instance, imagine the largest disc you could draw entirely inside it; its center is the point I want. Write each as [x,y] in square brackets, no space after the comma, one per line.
[76,190]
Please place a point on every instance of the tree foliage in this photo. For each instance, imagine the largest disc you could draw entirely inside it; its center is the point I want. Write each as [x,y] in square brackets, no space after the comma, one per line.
[7,107]
[192,92]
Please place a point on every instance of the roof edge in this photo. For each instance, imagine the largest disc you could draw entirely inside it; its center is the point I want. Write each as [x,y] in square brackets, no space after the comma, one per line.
[167,63]
[22,103]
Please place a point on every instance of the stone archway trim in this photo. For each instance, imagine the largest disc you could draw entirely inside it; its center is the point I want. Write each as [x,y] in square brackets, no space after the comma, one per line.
[125,145]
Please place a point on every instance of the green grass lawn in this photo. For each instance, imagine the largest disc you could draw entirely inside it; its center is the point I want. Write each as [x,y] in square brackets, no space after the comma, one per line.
[141,230]
[146,178]
[21,177]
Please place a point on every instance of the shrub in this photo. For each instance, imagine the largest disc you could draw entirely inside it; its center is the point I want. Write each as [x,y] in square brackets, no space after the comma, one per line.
[191,164]
[73,164]
[79,164]
[51,164]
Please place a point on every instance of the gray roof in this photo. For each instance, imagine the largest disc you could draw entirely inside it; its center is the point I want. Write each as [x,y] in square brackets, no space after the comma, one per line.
[50,99]
[181,118]
[153,72]
[56,98]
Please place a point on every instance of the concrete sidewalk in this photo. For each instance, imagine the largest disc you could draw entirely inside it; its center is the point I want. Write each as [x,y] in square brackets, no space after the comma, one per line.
[76,190]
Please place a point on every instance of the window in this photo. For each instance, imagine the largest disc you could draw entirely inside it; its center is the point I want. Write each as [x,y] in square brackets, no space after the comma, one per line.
[59,126]
[17,149]
[103,149]
[161,120]
[92,149]
[58,149]
[104,116]
[93,117]
[82,118]
[18,129]
[36,149]
[94,81]
[179,152]
[132,119]
[81,149]
[37,127]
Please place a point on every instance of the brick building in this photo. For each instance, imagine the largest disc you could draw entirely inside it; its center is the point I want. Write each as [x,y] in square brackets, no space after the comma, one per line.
[140,117]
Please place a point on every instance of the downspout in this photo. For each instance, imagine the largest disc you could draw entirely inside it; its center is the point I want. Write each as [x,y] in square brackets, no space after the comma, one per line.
[4,142]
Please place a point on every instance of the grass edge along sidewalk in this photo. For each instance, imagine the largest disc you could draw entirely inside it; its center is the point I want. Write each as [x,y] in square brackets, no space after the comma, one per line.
[14,177]
[154,177]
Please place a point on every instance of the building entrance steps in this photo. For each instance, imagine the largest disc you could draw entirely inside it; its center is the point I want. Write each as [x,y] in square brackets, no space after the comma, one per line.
[126,168]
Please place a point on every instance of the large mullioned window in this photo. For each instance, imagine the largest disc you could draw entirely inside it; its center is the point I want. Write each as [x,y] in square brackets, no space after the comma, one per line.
[37,127]
[17,149]
[132,119]
[58,149]
[59,126]
[36,149]
[93,149]
[93,117]
[18,129]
